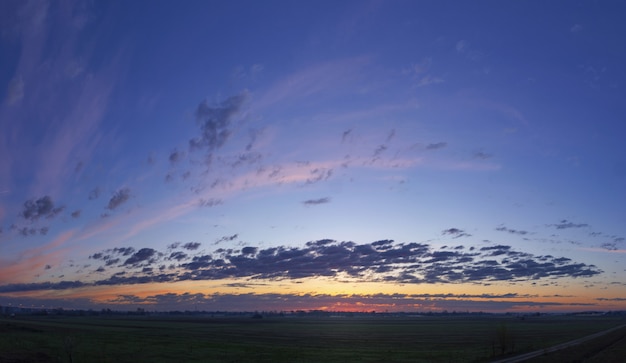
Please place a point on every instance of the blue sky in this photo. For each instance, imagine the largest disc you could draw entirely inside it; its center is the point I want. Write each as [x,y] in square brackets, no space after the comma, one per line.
[355,155]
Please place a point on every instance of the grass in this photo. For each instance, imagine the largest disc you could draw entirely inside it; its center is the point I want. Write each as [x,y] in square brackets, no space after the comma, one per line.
[284,339]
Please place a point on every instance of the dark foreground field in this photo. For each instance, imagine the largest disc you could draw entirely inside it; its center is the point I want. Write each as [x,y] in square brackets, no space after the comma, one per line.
[286,339]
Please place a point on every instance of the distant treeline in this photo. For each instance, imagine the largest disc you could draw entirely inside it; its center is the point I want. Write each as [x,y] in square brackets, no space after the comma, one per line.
[10,311]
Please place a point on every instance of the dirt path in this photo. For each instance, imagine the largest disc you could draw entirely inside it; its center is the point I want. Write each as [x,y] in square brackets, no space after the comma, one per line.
[537,353]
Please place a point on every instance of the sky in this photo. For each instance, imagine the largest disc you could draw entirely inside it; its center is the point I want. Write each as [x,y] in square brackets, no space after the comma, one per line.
[298,155]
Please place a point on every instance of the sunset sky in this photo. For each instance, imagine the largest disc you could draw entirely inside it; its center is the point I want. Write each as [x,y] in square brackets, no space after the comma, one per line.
[337,155]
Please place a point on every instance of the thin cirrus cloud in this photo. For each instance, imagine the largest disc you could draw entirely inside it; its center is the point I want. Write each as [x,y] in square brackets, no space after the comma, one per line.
[317,201]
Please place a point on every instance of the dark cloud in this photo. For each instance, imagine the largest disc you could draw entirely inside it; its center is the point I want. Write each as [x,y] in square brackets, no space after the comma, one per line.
[215,122]
[79,167]
[436,146]
[455,232]
[391,135]
[144,254]
[316,201]
[76,213]
[609,246]
[345,135]
[42,207]
[512,231]
[380,261]
[482,155]
[32,231]
[319,174]
[279,301]
[379,150]
[611,299]
[177,255]
[247,158]
[124,251]
[94,193]
[227,238]
[254,135]
[63,285]
[191,246]
[565,224]
[249,250]
[211,202]
[175,156]
[118,198]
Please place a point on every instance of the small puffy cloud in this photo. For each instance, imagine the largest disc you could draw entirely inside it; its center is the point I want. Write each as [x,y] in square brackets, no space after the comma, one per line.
[436,146]
[118,198]
[319,174]
[482,155]
[94,193]
[609,246]
[576,28]
[211,202]
[565,224]
[124,251]
[316,201]
[455,233]
[42,207]
[191,246]
[76,213]
[215,122]
[511,230]
[345,134]
[177,255]
[176,156]
[144,254]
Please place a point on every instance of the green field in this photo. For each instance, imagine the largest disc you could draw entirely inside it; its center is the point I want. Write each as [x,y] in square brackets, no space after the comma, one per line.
[285,339]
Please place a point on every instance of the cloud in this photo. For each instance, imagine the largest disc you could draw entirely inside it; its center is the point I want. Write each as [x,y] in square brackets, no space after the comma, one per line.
[318,174]
[227,239]
[191,246]
[143,255]
[215,122]
[211,202]
[345,134]
[76,213]
[428,80]
[482,155]
[565,224]
[118,198]
[316,201]
[511,231]
[94,193]
[462,46]
[42,207]
[15,91]
[455,232]
[609,246]
[436,146]
[175,156]
[380,261]
[576,28]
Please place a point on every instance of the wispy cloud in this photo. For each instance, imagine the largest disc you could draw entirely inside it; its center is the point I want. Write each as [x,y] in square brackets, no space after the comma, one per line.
[316,201]
[118,198]
[565,224]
